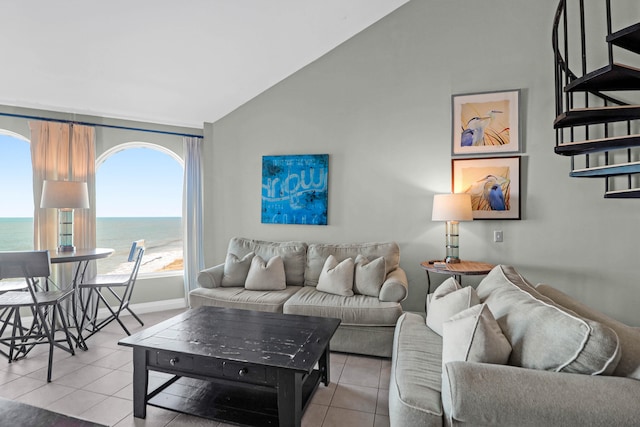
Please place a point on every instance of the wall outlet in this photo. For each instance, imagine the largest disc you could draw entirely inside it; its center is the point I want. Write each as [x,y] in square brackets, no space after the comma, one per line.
[497,236]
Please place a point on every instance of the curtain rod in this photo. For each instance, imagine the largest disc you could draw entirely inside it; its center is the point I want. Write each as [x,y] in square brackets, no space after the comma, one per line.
[73,122]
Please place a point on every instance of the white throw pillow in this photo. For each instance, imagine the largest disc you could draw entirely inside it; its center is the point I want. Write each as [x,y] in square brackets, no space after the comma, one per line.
[473,335]
[449,299]
[236,270]
[337,278]
[369,275]
[266,277]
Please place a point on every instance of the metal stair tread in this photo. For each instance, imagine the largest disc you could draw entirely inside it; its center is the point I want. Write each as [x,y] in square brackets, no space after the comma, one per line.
[594,145]
[596,115]
[610,77]
[632,193]
[606,170]
[627,38]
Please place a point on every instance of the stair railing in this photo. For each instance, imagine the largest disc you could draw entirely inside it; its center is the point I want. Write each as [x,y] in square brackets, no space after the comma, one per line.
[566,100]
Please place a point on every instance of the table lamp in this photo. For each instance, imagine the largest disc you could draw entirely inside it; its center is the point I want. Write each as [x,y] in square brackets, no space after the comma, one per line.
[65,196]
[452,208]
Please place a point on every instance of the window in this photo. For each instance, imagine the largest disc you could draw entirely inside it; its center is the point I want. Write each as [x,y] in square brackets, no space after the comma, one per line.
[139,196]
[16,192]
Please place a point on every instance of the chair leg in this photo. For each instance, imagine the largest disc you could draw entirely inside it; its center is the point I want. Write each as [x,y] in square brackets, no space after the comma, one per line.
[134,315]
[124,304]
[17,324]
[52,339]
[86,315]
[65,328]
[115,315]
[74,303]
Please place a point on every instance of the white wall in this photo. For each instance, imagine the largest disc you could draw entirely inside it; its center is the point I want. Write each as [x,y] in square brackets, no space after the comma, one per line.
[379,105]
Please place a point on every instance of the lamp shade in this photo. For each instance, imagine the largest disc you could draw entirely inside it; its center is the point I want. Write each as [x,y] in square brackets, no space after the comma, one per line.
[452,207]
[64,195]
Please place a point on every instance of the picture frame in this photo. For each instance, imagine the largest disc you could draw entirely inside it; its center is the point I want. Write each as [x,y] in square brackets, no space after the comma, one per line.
[485,123]
[295,189]
[492,182]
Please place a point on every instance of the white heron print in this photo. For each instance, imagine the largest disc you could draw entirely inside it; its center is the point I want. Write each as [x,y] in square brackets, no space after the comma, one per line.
[490,188]
[485,123]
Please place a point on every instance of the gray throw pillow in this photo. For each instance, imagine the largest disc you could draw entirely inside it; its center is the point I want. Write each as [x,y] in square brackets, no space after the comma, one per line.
[337,278]
[266,276]
[544,335]
[369,276]
[236,270]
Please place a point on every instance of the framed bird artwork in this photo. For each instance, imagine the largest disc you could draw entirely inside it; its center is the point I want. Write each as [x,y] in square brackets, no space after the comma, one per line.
[485,123]
[493,184]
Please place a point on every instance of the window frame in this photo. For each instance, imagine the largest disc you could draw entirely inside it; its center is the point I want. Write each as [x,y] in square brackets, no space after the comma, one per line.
[153,146]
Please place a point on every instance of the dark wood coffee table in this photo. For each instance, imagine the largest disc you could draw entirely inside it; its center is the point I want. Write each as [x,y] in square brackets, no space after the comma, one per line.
[240,366]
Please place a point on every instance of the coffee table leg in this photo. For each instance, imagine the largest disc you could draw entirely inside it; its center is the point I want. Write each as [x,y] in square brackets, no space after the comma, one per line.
[140,380]
[323,366]
[289,398]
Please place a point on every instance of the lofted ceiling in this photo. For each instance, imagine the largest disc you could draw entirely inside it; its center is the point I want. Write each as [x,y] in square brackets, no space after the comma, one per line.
[166,61]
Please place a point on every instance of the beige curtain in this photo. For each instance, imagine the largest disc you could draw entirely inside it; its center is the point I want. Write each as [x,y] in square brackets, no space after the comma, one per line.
[57,156]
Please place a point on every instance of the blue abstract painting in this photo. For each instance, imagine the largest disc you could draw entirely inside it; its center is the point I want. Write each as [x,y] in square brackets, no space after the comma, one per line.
[294,189]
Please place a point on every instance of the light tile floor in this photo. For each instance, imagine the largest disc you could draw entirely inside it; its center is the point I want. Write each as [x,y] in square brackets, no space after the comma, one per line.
[97,385]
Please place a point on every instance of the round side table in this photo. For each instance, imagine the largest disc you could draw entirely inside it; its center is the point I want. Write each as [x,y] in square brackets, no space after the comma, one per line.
[457,270]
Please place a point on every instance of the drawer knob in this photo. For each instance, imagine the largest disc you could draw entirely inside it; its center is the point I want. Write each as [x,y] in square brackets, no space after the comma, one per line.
[173,361]
[242,372]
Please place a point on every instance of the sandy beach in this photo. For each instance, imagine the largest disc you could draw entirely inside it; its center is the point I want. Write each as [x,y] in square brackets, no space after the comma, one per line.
[153,262]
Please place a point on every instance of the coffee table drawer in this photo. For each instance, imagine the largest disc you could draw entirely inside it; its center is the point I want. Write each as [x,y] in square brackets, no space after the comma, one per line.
[240,371]
[174,361]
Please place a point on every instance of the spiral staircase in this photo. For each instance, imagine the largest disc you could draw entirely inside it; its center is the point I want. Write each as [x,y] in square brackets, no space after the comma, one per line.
[598,112]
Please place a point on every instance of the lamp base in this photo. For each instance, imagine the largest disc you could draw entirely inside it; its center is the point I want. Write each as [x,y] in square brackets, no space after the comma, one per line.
[451,260]
[66,248]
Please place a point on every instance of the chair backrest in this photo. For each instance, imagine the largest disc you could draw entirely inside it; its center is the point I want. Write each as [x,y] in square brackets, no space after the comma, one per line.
[135,255]
[24,264]
[135,246]
[27,265]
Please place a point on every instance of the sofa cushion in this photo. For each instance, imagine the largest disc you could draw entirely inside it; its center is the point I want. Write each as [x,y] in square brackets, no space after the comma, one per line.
[359,310]
[369,275]
[236,269]
[318,253]
[294,255]
[337,278]
[542,334]
[242,298]
[267,276]
[629,364]
[415,377]
[473,335]
[449,299]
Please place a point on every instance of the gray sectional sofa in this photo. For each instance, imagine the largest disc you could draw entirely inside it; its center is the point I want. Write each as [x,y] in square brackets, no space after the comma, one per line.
[512,354]
[368,316]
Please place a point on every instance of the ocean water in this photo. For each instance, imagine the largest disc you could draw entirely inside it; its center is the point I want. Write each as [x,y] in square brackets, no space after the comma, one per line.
[162,236]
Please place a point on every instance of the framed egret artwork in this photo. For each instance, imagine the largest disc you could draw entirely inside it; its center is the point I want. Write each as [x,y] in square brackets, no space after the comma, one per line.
[486,123]
[295,189]
[493,184]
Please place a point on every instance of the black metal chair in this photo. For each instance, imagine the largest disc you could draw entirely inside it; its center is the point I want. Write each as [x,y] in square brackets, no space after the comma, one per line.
[45,305]
[92,296]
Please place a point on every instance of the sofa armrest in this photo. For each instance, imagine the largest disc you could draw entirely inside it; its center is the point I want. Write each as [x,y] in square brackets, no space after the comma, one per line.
[395,287]
[497,395]
[211,277]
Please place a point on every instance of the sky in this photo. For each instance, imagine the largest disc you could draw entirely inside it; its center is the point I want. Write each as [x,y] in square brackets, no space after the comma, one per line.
[137,182]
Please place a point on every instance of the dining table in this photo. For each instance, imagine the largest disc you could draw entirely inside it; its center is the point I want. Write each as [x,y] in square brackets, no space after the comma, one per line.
[81,258]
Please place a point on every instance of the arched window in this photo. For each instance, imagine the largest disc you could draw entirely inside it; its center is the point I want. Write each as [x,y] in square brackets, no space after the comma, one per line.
[16,193]
[139,196]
